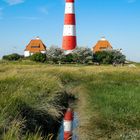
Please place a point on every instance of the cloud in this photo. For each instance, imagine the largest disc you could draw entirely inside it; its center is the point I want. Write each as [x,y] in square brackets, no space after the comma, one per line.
[14,2]
[44,10]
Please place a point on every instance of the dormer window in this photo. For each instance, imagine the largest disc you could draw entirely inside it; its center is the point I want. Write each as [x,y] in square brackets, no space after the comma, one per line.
[35,47]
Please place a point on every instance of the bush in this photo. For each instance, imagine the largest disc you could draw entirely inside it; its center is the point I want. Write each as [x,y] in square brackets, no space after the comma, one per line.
[12,57]
[109,57]
[68,58]
[82,55]
[38,57]
[55,55]
[79,55]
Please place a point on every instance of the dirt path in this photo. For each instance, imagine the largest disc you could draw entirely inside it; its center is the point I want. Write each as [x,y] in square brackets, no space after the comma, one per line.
[84,115]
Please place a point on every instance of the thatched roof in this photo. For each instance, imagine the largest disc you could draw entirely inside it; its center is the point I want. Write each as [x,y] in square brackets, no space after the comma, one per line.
[102,44]
[35,45]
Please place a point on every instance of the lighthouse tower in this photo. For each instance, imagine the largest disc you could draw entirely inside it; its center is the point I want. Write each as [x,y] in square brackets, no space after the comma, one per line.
[69,32]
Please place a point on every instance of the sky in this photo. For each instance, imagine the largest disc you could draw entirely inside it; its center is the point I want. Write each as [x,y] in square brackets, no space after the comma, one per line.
[117,20]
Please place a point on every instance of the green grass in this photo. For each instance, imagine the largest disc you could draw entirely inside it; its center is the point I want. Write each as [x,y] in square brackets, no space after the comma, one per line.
[30,93]
[116,99]
[113,100]
[109,95]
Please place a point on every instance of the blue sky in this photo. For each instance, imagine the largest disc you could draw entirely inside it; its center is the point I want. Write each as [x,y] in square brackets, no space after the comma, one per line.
[117,20]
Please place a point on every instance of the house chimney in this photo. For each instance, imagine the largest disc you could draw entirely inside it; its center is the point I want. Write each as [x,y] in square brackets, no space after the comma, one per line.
[37,38]
[103,38]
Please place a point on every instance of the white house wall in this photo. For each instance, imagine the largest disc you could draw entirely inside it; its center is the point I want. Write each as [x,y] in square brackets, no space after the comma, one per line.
[26,53]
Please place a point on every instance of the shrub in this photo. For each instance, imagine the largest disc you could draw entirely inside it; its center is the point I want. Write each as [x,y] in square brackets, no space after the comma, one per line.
[109,57]
[55,55]
[12,57]
[82,55]
[68,58]
[118,57]
[38,57]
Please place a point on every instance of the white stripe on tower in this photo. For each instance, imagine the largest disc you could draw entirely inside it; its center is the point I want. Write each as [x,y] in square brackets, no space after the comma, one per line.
[69,32]
[69,9]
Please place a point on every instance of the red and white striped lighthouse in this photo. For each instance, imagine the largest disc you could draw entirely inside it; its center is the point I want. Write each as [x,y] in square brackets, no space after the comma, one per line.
[69,32]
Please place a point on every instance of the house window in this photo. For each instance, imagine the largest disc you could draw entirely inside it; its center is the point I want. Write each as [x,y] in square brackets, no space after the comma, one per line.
[102,47]
[35,46]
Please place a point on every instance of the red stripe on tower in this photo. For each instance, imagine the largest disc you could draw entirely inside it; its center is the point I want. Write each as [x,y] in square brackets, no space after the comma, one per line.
[69,0]
[69,19]
[69,32]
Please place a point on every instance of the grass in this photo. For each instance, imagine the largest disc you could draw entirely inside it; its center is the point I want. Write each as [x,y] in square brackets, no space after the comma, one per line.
[108,99]
[117,100]
[29,93]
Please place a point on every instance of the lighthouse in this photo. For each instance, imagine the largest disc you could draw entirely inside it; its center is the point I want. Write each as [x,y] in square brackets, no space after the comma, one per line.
[69,32]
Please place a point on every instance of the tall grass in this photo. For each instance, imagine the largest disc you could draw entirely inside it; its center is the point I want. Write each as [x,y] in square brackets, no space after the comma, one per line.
[113,99]
[36,92]
[31,94]
[14,133]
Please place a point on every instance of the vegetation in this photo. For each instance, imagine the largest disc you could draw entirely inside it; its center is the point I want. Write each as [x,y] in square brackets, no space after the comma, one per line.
[55,55]
[108,106]
[84,56]
[12,57]
[81,55]
[109,57]
[38,57]
[31,102]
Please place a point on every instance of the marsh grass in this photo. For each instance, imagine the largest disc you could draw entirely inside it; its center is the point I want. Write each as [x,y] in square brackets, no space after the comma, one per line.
[35,92]
[115,97]
[31,94]
[113,100]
